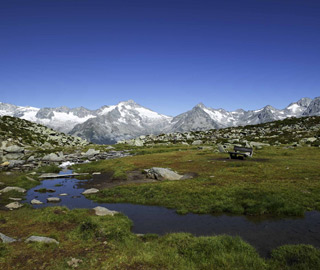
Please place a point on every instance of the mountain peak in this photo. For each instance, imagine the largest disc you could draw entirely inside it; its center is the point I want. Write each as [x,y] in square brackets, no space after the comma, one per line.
[200,105]
[128,102]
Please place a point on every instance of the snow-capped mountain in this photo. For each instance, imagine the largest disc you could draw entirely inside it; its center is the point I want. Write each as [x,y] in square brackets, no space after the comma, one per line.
[128,119]
[122,121]
[62,118]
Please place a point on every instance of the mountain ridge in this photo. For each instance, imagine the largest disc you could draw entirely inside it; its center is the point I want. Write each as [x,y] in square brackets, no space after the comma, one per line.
[128,119]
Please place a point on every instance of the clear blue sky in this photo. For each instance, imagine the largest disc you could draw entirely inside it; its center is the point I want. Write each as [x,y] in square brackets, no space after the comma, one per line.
[167,55]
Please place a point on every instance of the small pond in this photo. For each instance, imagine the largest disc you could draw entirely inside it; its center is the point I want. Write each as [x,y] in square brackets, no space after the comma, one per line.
[263,234]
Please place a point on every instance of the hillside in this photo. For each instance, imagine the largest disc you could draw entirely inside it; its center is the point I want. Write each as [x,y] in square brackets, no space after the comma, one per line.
[23,133]
[296,131]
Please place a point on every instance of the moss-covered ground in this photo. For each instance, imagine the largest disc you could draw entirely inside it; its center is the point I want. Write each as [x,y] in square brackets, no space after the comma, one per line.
[276,181]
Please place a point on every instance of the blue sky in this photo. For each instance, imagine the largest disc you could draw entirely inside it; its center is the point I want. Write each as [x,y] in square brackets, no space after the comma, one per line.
[167,55]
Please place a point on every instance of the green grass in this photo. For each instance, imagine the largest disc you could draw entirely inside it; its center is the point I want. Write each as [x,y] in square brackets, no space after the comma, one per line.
[15,179]
[107,243]
[277,181]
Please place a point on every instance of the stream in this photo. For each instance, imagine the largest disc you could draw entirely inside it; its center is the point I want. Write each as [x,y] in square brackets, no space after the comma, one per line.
[263,234]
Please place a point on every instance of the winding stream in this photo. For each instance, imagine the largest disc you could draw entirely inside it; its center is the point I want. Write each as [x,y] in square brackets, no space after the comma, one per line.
[263,234]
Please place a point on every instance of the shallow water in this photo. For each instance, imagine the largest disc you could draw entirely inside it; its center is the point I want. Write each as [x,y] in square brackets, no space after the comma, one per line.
[264,235]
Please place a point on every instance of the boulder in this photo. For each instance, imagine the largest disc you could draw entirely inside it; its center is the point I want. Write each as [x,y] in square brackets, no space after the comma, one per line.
[13,149]
[163,174]
[221,148]
[53,157]
[42,239]
[14,205]
[197,142]
[34,201]
[90,191]
[91,152]
[53,199]
[102,211]
[6,239]
[5,164]
[7,189]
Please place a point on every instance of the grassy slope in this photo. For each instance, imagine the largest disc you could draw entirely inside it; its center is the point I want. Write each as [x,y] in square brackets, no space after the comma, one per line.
[276,181]
[107,243]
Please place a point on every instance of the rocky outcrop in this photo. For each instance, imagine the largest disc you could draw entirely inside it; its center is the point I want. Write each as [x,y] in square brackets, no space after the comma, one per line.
[305,130]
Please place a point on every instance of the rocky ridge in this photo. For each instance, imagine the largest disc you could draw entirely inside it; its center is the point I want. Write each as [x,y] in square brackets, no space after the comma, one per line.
[26,146]
[294,131]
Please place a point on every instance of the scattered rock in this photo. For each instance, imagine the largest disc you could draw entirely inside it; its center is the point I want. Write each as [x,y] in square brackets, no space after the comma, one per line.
[42,239]
[6,239]
[15,199]
[30,159]
[221,148]
[31,179]
[197,142]
[102,211]
[74,263]
[163,174]
[53,199]
[5,164]
[14,205]
[13,149]
[90,191]
[7,189]
[34,201]
[63,194]
[52,157]
[91,152]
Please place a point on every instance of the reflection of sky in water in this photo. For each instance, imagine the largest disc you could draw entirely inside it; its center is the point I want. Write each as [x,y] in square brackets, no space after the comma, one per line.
[264,235]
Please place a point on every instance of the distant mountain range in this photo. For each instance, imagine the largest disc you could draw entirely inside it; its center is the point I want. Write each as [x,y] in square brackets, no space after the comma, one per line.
[128,119]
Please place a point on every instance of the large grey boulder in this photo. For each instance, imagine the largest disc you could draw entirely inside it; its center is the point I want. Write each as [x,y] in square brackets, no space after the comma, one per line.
[102,211]
[6,239]
[42,239]
[163,174]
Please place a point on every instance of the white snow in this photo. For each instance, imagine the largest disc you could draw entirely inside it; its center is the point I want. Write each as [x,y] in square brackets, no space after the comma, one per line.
[215,115]
[145,113]
[107,109]
[294,108]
